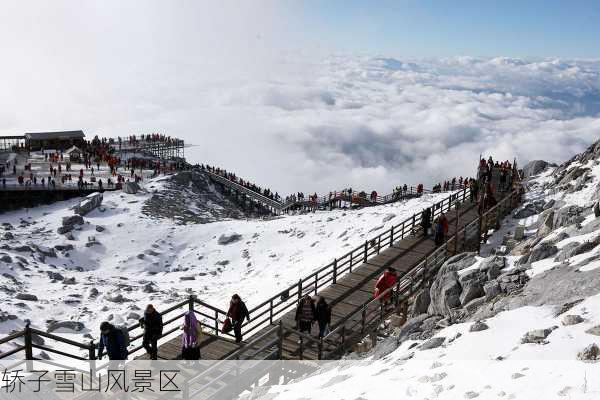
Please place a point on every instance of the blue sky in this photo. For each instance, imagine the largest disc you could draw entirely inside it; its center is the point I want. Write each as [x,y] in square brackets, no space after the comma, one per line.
[445,28]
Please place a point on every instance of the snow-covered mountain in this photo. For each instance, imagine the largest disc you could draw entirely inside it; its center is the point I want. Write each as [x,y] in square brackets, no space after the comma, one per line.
[521,321]
[154,247]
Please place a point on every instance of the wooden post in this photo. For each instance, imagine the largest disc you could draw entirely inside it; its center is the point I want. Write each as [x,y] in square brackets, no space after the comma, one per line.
[216,323]
[320,354]
[271,311]
[280,342]
[378,243]
[365,252]
[28,346]
[334,271]
[299,289]
[316,282]
[392,236]
[191,302]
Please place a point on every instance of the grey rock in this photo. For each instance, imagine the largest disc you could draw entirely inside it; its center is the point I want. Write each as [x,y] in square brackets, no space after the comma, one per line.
[433,343]
[491,289]
[526,211]
[72,220]
[430,323]
[134,316]
[567,252]
[445,293]
[478,327]
[64,247]
[590,353]
[537,335]
[149,288]
[228,239]
[568,215]
[100,228]
[6,258]
[421,303]
[131,187]
[23,249]
[570,319]
[117,298]
[595,330]
[493,266]
[70,281]
[542,251]
[26,296]
[471,395]
[45,251]
[187,278]
[89,204]
[534,167]
[546,223]
[55,276]
[517,375]
[471,291]
[411,326]
[474,304]
[71,325]
[8,236]
[93,292]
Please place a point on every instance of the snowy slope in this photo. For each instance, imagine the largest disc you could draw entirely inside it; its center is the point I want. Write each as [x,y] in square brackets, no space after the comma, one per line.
[136,249]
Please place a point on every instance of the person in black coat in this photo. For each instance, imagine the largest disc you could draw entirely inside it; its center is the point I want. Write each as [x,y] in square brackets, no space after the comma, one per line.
[323,316]
[305,314]
[111,339]
[426,221]
[236,313]
[153,326]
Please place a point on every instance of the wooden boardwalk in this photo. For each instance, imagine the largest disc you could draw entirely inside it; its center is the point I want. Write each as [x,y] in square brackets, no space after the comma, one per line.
[350,292]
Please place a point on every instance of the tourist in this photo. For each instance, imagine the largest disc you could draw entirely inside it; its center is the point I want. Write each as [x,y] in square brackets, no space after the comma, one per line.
[426,221]
[113,340]
[323,316]
[192,335]
[386,281]
[305,314]
[236,314]
[152,325]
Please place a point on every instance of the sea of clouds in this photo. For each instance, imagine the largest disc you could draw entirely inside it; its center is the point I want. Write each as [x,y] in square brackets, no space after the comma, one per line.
[252,96]
[373,122]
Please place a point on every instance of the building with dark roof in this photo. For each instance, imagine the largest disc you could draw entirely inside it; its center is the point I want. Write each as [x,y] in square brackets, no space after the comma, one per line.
[54,140]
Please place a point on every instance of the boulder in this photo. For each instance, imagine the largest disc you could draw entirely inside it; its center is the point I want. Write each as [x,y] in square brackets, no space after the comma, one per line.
[595,330]
[478,327]
[93,292]
[100,228]
[567,251]
[433,343]
[445,293]
[542,251]
[538,335]
[472,290]
[72,220]
[568,215]
[546,224]
[519,232]
[421,303]
[131,187]
[134,316]
[89,204]
[590,353]
[55,276]
[474,304]
[64,247]
[26,296]
[526,211]
[46,251]
[491,289]
[570,319]
[493,266]
[70,325]
[149,288]
[228,239]
[8,236]
[534,167]
[411,326]
[6,258]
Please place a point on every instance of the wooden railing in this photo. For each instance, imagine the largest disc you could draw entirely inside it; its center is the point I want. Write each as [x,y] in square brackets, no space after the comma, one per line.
[269,310]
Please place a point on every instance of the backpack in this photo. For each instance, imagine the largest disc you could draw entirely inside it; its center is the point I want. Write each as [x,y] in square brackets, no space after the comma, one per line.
[125,333]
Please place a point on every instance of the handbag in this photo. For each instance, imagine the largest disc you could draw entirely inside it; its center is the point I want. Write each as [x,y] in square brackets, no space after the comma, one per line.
[227,326]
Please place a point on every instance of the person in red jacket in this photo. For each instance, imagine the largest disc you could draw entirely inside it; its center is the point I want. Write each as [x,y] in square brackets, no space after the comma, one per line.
[385,281]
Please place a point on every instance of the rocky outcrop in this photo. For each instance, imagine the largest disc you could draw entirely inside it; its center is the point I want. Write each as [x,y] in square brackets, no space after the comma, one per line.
[538,335]
[131,187]
[534,167]
[590,353]
[568,215]
[89,204]
[540,252]
[228,239]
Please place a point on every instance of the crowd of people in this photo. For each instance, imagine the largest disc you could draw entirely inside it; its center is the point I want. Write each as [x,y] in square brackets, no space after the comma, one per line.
[248,185]
[451,184]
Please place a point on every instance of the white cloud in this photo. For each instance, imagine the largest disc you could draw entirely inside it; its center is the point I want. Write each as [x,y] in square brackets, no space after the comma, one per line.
[224,78]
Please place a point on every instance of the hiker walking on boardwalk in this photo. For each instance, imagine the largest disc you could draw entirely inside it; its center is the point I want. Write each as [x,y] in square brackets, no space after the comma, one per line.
[305,314]
[192,334]
[113,340]
[236,314]
[152,324]
[441,229]
[323,316]
[426,221]
[385,281]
